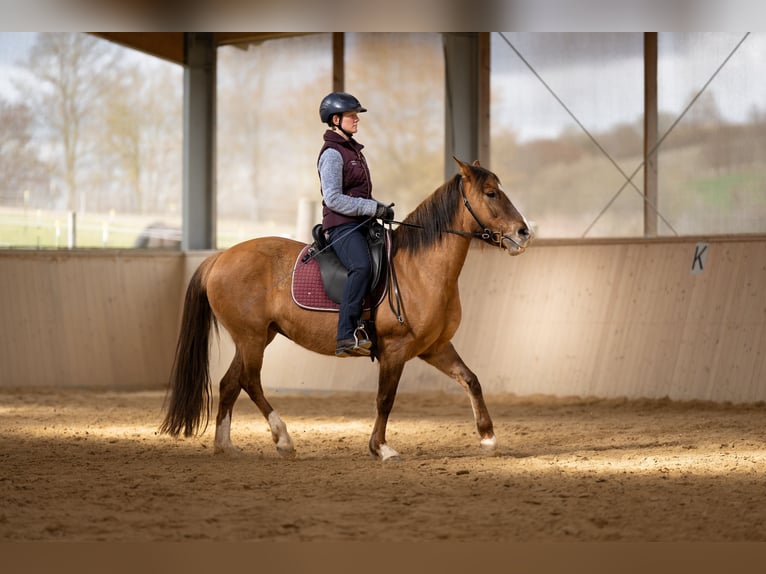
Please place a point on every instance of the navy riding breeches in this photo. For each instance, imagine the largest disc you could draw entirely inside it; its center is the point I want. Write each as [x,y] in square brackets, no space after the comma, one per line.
[349,241]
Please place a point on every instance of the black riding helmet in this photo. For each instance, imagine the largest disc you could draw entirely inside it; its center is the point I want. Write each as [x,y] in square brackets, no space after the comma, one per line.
[337,103]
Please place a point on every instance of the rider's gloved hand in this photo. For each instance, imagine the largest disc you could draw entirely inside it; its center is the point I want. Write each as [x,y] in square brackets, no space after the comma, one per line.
[385,212]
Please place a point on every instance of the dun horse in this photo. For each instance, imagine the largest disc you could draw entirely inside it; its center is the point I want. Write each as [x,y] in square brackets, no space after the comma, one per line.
[244,289]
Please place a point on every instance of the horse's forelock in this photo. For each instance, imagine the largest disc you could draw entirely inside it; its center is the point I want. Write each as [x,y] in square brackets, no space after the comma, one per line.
[481,174]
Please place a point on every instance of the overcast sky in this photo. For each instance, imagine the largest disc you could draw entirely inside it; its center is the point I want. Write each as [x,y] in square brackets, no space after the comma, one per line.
[13,47]
[520,100]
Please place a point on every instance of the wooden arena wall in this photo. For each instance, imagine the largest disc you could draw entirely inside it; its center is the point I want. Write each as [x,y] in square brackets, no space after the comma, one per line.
[683,319]
[88,318]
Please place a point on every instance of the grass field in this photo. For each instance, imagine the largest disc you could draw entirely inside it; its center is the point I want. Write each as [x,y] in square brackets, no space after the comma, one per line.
[39,229]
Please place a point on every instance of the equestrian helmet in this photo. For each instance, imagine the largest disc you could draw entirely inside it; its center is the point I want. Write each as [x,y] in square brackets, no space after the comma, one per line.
[337,103]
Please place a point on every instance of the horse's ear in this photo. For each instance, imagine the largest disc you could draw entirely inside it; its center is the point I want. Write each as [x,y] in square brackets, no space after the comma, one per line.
[465,169]
[476,163]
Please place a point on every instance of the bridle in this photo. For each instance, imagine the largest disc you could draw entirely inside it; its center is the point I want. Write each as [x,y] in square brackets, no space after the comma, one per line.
[486,234]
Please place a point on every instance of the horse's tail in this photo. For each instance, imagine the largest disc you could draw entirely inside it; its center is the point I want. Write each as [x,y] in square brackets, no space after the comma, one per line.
[188,401]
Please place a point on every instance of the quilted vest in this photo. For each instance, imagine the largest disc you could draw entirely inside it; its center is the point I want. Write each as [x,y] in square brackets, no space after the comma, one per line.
[356,176]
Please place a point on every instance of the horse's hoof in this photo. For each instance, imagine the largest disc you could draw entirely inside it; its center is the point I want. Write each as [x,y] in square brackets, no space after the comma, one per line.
[288,453]
[227,450]
[489,444]
[387,454]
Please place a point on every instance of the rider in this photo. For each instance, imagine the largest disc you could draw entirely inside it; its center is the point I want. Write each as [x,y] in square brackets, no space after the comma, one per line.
[347,205]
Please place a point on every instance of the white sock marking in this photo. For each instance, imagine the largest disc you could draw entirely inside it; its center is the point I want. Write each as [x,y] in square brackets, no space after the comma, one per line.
[223,433]
[279,433]
[386,452]
[489,443]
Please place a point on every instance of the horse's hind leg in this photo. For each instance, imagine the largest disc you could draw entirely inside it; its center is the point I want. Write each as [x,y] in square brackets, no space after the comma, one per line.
[251,382]
[248,377]
[229,389]
[449,362]
[278,428]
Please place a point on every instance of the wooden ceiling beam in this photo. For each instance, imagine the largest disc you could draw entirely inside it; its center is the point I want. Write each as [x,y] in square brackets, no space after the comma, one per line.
[170,45]
[165,45]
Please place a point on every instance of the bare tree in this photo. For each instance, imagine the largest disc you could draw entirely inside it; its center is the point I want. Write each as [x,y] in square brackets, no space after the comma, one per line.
[241,118]
[23,171]
[138,132]
[162,141]
[266,107]
[122,123]
[400,79]
[705,112]
[70,72]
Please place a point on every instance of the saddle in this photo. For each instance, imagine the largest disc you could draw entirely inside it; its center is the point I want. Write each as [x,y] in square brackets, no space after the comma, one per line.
[319,259]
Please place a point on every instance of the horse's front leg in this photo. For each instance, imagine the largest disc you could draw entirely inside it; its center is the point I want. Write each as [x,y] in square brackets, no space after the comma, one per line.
[449,362]
[388,383]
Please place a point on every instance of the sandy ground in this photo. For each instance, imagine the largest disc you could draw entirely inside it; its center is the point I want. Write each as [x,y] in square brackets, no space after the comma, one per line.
[80,465]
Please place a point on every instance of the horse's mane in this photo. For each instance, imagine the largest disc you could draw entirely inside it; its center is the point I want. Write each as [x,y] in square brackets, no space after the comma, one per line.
[428,222]
[435,216]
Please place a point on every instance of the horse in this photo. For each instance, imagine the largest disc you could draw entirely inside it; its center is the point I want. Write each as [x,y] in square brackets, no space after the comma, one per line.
[244,289]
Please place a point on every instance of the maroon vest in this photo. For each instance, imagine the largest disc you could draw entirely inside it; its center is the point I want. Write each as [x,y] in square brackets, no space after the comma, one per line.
[356,176]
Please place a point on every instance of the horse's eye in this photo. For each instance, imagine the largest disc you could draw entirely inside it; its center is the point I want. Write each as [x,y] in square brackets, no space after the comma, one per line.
[491,194]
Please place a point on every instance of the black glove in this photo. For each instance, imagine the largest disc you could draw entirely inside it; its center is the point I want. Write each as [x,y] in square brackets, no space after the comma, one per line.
[385,212]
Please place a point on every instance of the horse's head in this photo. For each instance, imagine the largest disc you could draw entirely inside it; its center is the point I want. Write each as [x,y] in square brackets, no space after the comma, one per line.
[492,215]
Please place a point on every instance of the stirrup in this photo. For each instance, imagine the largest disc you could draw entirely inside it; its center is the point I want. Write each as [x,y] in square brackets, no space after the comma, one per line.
[360,334]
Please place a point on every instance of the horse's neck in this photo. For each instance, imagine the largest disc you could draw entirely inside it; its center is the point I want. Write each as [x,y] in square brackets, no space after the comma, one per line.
[441,264]
[452,251]
[437,267]
[452,254]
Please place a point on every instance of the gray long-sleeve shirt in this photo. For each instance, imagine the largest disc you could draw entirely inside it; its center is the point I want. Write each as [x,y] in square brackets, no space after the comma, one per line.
[331,177]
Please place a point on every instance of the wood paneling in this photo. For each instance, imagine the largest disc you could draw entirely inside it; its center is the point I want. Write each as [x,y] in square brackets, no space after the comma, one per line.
[84,319]
[619,319]
[625,319]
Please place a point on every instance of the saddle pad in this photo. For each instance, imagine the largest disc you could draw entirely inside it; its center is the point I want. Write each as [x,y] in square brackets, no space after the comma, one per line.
[308,291]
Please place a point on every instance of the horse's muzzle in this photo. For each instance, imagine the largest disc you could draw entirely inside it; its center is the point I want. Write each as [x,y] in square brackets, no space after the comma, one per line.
[517,243]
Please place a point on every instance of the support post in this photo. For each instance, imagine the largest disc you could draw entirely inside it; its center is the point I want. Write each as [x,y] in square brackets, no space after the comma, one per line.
[338,61]
[650,134]
[461,60]
[485,61]
[199,208]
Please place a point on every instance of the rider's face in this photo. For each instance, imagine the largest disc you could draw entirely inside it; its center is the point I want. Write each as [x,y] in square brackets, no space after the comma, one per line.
[349,122]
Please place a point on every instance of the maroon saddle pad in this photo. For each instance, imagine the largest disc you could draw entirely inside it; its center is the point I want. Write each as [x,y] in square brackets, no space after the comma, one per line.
[308,291]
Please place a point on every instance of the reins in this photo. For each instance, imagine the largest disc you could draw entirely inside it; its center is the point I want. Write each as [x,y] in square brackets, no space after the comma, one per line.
[394,295]
[393,282]
[486,233]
